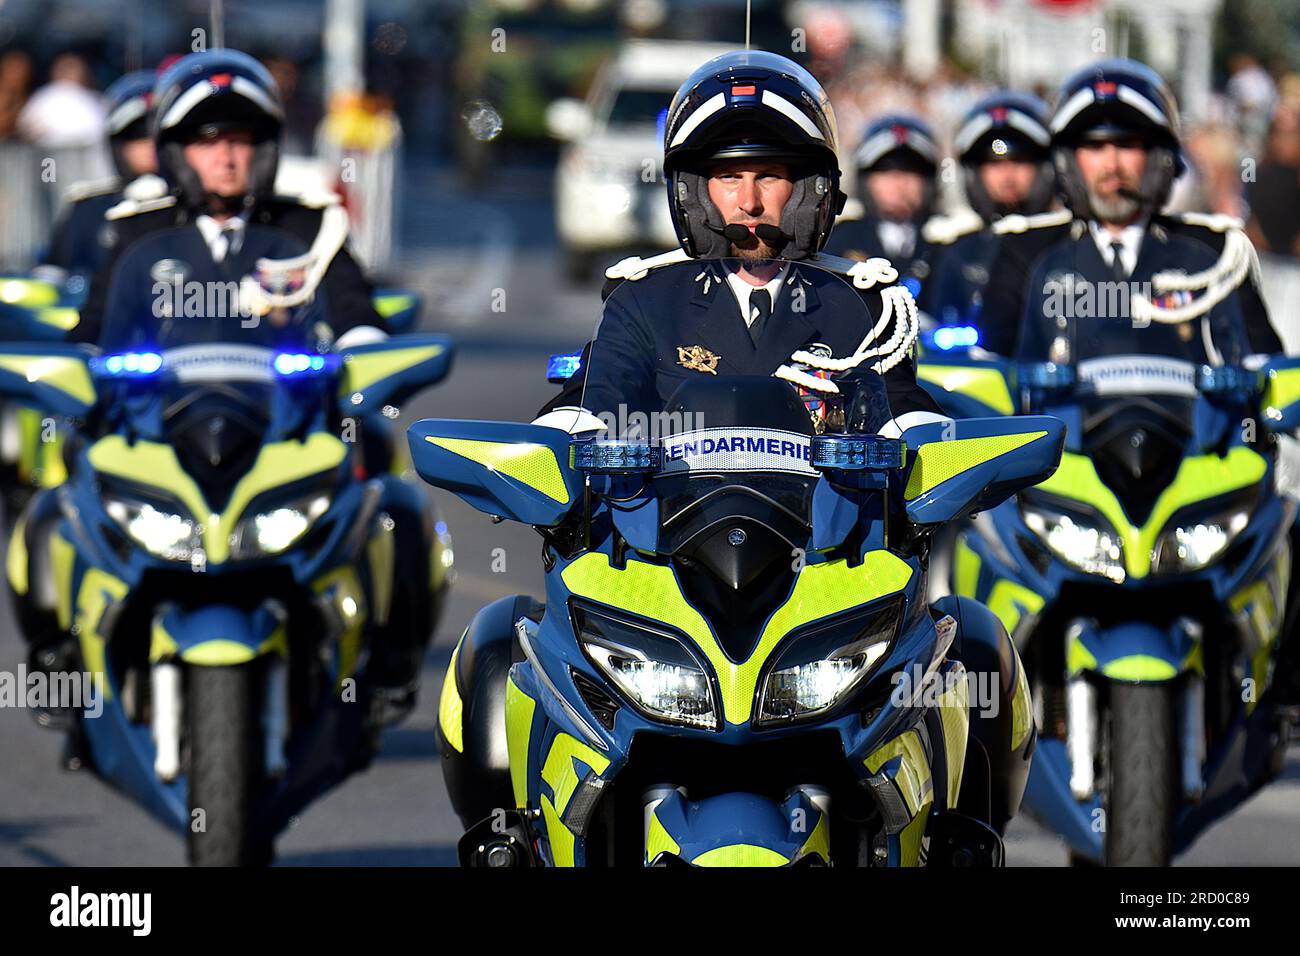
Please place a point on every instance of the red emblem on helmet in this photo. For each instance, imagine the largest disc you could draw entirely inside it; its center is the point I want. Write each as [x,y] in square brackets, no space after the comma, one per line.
[999,114]
[1106,88]
[900,133]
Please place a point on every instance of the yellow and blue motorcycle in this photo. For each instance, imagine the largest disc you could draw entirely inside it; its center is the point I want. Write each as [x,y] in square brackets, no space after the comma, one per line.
[235,587]
[735,663]
[1145,583]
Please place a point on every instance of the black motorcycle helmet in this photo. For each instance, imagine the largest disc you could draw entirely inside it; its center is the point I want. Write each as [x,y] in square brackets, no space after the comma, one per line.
[1113,99]
[752,104]
[127,103]
[1006,125]
[898,141]
[203,94]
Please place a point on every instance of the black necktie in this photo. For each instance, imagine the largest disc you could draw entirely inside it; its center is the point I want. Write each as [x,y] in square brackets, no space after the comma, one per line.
[1117,260]
[760,307]
[232,235]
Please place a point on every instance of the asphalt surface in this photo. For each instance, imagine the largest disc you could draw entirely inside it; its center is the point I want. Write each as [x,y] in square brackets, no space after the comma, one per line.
[490,274]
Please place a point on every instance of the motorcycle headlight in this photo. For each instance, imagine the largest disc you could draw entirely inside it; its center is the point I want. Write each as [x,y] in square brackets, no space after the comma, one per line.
[652,668]
[162,532]
[822,665]
[1191,545]
[272,530]
[1092,547]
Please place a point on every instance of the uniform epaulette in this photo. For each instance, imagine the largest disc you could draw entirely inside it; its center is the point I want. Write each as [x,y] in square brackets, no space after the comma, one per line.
[1014,224]
[89,188]
[862,273]
[634,267]
[316,199]
[945,230]
[1218,222]
[134,207]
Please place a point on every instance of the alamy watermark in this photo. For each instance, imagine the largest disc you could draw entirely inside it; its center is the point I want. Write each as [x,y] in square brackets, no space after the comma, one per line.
[53,690]
[918,687]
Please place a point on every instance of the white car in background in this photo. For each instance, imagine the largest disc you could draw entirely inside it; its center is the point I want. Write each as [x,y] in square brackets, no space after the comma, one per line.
[609,188]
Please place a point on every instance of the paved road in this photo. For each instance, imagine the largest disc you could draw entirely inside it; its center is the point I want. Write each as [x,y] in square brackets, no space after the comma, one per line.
[461,253]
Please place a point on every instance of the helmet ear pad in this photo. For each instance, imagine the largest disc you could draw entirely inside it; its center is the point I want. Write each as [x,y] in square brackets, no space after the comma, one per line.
[180,175]
[703,222]
[1164,165]
[261,174]
[807,215]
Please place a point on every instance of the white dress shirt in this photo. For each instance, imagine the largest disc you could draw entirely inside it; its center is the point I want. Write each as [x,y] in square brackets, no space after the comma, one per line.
[741,289]
[1130,239]
[218,235]
[898,238]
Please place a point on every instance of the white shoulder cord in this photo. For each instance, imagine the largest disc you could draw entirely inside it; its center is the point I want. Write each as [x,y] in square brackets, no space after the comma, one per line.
[329,240]
[1218,282]
[899,307]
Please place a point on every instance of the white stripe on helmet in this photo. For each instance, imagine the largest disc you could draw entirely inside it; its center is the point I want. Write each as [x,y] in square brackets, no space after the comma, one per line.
[788,109]
[702,112]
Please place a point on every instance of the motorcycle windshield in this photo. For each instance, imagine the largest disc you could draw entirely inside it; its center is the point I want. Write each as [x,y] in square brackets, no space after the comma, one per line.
[1138,417]
[726,366]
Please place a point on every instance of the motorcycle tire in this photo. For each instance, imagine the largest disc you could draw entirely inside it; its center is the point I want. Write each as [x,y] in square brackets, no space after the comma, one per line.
[1141,796]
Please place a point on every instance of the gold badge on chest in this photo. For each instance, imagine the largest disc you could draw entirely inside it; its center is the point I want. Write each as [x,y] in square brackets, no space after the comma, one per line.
[698,359]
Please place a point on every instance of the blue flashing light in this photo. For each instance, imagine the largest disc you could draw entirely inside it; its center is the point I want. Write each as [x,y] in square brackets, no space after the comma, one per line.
[1047,375]
[290,364]
[949,337]
[857,452]
[615,457]
[561,368]
[129,364]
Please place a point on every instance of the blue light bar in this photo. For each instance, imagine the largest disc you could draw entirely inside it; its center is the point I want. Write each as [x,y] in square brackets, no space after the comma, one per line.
[128,365]
[857,452]
[294,364]
[948,337]
[615,457]
[1047,375]
[1226,378]
[561,368]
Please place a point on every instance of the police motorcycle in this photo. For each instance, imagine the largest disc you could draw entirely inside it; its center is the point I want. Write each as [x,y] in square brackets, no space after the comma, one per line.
[1145,584]
[36,310]
[734,664]
[222,566]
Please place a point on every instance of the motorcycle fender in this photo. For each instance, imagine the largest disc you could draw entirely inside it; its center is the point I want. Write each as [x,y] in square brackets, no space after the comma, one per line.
[1134,651]
[737,829]
[216,636]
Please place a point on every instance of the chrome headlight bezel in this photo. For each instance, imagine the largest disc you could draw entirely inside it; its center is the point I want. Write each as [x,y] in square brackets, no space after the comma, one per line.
[633,655]
[1085,541]
[835,656]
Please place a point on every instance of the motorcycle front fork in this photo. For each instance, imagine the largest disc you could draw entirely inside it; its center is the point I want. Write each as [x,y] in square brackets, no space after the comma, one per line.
[1083,731]
[167,700]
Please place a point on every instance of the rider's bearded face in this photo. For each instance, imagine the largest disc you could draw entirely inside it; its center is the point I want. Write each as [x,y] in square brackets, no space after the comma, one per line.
[1111,168]
[222,162]
[750,192]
